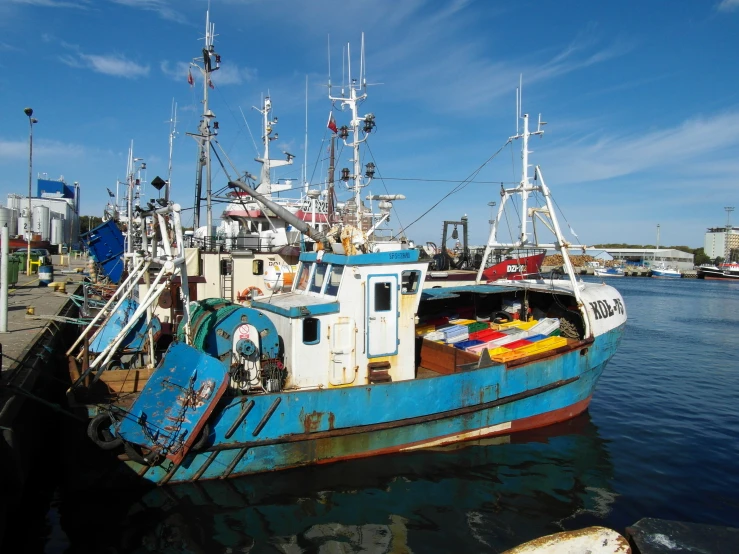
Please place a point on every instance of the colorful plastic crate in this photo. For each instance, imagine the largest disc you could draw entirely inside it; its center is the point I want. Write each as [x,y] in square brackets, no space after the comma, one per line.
[508,356]
[517,344]
[523,325]
[544,345]
[465,344]
[486,335]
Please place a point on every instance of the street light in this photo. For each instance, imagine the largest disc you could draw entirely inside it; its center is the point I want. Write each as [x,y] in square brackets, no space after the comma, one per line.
[31,121]
[492,213]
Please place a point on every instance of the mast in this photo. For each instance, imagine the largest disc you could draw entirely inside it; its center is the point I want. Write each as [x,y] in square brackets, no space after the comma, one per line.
[330,188]
[305,147]
[211,61]
[129,201]
[545,214]
[264,186]
[367,124]
[172,134]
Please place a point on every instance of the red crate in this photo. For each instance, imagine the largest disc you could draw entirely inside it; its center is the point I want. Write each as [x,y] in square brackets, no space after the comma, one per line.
[517,343]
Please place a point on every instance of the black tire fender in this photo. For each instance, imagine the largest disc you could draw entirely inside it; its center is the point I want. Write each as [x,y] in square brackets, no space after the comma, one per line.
[203,437]
[98,430]
[500,314]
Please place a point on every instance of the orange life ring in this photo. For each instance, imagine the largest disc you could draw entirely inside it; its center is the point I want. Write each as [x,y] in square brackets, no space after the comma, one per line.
[246,294]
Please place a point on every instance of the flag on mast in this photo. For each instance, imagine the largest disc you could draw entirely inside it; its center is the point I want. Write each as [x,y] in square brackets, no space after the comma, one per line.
[210,84]
[189,77]
[331,123]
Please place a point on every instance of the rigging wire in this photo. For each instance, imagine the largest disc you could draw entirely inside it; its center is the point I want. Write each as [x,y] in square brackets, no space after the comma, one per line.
[382,180]
[456,189]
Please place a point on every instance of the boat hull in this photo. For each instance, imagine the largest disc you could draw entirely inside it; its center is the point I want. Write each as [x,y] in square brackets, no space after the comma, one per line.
[256,434]
[608,273]
[717,275]
[660,275]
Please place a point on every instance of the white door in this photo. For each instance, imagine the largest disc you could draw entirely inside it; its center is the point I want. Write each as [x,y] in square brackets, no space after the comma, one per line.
[382,315]
[343,340]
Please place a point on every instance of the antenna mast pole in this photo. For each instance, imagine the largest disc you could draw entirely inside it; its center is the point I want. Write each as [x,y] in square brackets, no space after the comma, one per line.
[172,134]
[305,148]
[211,62]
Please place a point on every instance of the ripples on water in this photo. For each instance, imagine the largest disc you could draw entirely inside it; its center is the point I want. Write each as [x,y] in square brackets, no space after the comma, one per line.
[661,439]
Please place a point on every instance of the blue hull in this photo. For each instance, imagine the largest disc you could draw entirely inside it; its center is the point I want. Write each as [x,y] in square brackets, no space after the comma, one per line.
[254,434]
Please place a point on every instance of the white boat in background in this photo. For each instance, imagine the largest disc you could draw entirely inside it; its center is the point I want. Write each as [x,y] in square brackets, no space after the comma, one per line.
[615,271]
[662,271]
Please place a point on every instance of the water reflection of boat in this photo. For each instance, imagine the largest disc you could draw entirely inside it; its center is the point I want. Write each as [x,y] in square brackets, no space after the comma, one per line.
[491,494]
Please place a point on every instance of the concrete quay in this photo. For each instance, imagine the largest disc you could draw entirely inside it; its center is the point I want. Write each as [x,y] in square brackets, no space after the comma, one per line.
[629,272]
[32,381]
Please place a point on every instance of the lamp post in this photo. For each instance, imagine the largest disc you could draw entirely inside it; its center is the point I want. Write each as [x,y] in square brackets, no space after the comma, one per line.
[31,121]
[492,214]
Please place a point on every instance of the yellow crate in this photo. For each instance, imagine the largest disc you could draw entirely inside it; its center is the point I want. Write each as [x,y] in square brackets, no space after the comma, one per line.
[524,325]
[543,345]
[507,357]
[498,350]
[461,321]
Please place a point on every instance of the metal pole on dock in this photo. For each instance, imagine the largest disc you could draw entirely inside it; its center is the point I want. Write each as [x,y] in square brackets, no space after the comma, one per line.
[5,239]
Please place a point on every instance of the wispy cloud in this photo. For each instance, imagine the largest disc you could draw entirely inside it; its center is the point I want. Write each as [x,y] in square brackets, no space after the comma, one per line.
[473,73]
[176,71]
[227,75]
[672,151]
[18,149]
[116,65]
[233,75]
[728,5]
[81,4]
[160,7]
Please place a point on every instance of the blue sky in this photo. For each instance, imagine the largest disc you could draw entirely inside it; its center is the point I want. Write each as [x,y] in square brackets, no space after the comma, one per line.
[641,100]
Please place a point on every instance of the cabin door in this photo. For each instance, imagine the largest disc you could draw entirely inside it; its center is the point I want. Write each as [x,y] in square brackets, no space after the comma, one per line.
[343,342]
[382,315]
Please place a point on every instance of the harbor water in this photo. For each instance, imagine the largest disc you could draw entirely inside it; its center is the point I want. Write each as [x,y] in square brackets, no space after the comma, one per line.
[661,439]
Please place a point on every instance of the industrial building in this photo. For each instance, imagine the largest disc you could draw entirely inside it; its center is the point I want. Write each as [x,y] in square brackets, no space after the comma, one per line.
[54,216]
[720,241]
[649,257]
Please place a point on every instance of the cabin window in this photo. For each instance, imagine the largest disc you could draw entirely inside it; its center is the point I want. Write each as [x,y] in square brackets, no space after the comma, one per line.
[410,281]
[334,278]
[257,267]
[304,275]
[319,276]
[383,297]
[311,330]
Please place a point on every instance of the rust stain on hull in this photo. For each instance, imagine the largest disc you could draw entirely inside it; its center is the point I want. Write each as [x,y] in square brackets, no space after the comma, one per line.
[312,421]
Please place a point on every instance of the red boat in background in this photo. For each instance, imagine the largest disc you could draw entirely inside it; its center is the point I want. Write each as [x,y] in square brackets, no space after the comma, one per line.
[523,267]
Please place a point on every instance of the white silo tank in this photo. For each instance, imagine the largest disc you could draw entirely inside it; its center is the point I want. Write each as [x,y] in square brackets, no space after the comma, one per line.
[41,224]
[22,226]
[13,222]
[6,218]
[14,202]
[57,231]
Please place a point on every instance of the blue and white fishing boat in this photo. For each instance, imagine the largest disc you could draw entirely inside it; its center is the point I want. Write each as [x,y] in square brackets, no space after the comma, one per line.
[663,271]
[358,360]
[614,271]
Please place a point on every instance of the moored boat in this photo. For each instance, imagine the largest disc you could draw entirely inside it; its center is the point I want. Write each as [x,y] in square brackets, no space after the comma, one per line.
[727,271]
[614,271]
[662,271]
[358,360]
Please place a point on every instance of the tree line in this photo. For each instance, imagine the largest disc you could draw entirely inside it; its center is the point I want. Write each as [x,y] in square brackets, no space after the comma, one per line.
[699,254]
